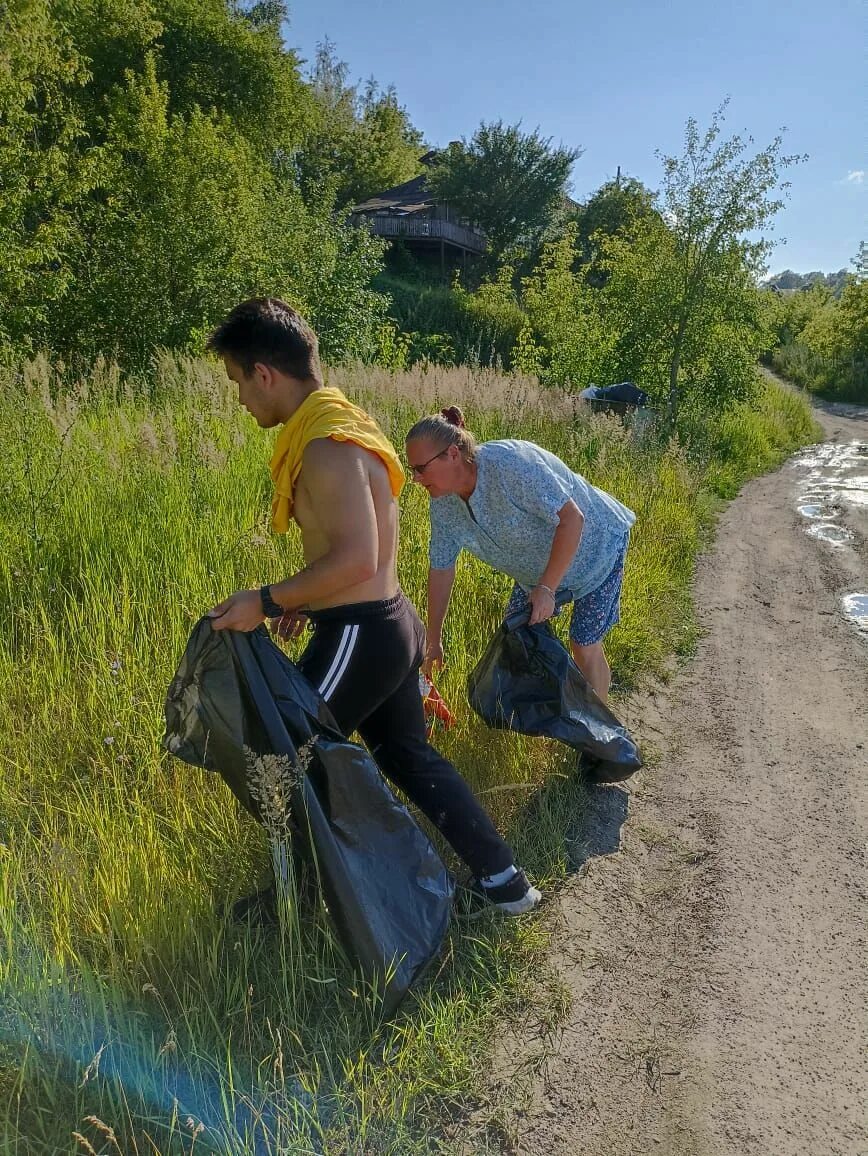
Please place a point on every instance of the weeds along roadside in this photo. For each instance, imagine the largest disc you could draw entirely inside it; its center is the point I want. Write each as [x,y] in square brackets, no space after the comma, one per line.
[127,509]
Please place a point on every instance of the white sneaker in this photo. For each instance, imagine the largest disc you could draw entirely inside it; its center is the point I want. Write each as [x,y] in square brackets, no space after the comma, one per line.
[514,897]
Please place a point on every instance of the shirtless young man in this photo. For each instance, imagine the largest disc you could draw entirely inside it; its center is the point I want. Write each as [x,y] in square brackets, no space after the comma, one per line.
[368,641]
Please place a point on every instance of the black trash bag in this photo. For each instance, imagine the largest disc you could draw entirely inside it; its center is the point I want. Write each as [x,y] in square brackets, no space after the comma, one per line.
[527,682]
[236,697]
[623,392]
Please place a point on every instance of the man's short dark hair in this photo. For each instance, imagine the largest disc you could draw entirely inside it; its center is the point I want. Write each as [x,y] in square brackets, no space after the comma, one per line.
[268,330]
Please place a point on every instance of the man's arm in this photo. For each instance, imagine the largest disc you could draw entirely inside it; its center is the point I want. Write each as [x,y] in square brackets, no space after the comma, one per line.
[336,479]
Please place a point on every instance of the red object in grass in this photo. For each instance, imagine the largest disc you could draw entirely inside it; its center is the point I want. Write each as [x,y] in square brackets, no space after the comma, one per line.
[436,709]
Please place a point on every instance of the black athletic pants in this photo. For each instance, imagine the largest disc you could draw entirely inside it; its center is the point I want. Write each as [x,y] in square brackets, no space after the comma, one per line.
[364,659]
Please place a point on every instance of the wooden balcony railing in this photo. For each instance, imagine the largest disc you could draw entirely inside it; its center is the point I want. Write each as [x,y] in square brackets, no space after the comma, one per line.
[429,228]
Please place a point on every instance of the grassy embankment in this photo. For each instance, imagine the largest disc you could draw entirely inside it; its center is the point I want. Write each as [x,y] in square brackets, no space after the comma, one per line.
[126,1002]
[832,378]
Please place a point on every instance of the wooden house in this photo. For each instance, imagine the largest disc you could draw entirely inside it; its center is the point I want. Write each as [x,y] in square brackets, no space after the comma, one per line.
[428,228]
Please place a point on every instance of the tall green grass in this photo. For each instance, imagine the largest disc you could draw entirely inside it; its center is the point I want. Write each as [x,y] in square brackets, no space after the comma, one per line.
[841,378]
[750,438]
[134,1018]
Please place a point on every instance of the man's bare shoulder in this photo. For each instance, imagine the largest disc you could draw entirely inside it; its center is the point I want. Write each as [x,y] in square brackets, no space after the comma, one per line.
[325,455]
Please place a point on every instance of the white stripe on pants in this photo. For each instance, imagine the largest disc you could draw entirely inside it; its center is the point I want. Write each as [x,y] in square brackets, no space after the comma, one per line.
[341,661]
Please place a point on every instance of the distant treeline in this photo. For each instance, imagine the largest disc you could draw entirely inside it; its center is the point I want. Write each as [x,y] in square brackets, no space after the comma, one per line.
[788,281]
[820,338]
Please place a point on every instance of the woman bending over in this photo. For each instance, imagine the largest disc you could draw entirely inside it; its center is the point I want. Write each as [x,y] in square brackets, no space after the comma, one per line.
[519,508]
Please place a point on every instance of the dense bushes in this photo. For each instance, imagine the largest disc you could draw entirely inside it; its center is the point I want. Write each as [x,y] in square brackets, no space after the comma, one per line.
[453,326]
[151,161]
[822,340]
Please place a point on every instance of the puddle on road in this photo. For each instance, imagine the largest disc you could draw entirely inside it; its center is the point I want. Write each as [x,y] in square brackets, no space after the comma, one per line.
[852,490]
[855,491]
[856,609]
[827,532]
[832,456]
[831,481]
[814,511]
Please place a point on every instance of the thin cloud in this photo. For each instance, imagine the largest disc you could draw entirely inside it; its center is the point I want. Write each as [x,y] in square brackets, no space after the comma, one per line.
[855,177]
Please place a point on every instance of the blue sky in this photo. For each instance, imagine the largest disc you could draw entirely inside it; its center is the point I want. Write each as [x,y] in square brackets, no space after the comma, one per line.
[620,79]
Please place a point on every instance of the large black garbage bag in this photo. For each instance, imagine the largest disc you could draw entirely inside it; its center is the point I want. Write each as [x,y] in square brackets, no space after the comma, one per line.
[622,391]
[625,391]
[527,681]
[236,698]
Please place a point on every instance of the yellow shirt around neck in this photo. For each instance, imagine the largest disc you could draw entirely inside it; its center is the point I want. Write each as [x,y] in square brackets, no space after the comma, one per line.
[325,413]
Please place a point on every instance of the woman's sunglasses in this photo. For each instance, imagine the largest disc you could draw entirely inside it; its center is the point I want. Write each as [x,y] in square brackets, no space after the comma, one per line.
[418,471]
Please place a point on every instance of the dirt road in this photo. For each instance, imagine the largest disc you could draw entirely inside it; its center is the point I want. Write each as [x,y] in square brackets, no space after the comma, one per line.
[718,962]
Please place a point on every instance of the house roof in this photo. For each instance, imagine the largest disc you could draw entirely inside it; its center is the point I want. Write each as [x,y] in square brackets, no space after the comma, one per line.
[409,197]
[414,195]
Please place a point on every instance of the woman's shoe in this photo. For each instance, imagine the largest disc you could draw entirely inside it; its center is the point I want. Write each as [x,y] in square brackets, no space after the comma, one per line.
[601,770]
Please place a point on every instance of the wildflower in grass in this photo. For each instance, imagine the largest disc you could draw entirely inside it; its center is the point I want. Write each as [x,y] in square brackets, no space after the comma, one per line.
[149,441]
[273,780]
[105,1130]
[85,1143]
[196,1128]
[212,456]
[92,1068]
[170,1044]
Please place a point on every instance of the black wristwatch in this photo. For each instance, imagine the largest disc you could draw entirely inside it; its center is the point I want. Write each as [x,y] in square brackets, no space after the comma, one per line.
[269,607]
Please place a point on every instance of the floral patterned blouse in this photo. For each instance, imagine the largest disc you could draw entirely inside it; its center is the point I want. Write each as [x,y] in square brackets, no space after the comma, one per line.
[512,514]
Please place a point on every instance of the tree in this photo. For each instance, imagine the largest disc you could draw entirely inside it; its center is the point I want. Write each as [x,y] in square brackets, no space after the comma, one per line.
[789,313]
[44,167]
[219,55]
[214,55]
[838,335]
[361,143]
[860,262]
[571,341]
[507,182]
[147,153]
[617,208]
[191,221]
[714,198]
[684,289]
[716,337]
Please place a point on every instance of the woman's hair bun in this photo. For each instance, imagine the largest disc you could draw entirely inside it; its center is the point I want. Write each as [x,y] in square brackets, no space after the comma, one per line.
[454,416]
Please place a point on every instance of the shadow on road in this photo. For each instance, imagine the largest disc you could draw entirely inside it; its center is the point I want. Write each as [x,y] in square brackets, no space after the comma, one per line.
[841,409]
[599,830]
